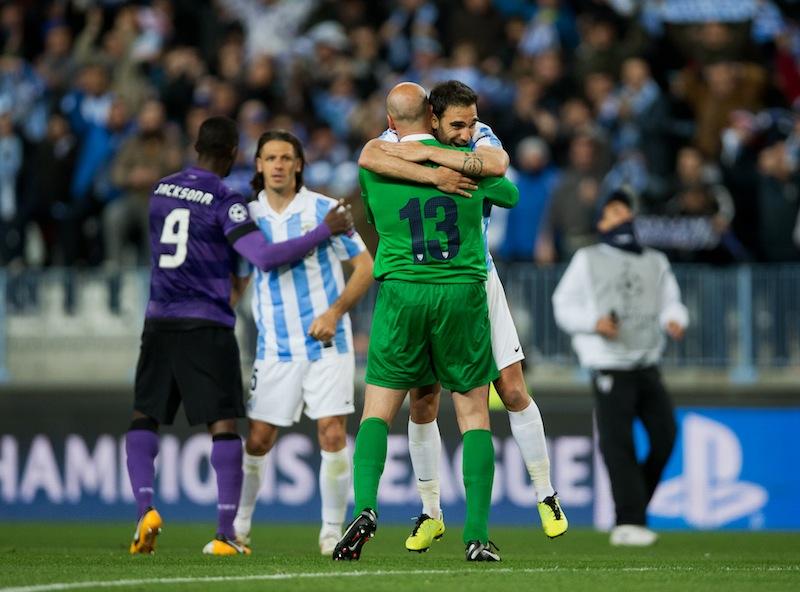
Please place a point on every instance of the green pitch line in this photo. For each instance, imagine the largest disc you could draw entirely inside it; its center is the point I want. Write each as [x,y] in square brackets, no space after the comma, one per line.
[40,557]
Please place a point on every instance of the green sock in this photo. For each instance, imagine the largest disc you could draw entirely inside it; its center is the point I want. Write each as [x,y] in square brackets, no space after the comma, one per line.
[368,461]
[477,464]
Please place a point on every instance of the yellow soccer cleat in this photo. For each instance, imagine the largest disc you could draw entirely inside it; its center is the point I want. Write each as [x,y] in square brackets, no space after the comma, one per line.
[147,529]
[426,530]
[554,521]
[223,546]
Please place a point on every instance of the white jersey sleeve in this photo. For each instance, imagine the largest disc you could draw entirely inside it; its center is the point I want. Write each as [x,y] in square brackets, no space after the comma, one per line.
[484,136]
[389,135]
[347,247]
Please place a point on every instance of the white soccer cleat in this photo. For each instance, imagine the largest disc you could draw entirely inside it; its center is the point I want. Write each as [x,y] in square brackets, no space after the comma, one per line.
[632,535]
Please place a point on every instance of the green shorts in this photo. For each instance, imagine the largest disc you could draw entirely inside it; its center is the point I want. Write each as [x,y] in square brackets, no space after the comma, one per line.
[424,333]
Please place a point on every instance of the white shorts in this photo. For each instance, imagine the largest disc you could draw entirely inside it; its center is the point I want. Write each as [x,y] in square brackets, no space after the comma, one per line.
[505,341]
[280,391]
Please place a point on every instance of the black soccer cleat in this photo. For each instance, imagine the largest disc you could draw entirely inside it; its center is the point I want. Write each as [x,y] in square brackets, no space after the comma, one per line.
[355,536]
[477,551]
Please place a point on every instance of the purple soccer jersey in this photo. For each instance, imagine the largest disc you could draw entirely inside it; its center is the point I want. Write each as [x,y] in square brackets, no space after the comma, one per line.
[194,220]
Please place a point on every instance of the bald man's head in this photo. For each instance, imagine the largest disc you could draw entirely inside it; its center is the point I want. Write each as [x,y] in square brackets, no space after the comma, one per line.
[407,104]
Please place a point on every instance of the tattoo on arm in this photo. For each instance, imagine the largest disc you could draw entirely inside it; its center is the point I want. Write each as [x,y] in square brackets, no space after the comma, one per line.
[473,165]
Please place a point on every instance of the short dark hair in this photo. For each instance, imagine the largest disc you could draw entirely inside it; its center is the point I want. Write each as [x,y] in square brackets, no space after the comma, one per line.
[217,138]
[451,94]
[257,182]
[621,195]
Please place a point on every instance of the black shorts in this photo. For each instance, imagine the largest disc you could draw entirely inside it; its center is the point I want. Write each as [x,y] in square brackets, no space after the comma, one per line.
[199,366]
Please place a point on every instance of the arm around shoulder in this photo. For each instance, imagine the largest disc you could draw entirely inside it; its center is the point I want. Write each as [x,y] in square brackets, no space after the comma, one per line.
[267,256]
[495,160]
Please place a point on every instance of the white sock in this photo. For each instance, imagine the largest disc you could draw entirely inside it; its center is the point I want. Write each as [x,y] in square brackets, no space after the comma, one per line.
[528,430]
[425,448]
[334,484]
[253,469]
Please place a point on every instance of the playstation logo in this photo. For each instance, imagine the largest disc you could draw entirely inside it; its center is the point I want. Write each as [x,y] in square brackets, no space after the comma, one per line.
[709,493]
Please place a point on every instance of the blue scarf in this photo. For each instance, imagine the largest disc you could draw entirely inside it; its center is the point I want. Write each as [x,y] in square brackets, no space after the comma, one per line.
[622,237]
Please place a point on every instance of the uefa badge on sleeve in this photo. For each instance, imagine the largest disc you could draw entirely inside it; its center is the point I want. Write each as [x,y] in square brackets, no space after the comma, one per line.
[238,213]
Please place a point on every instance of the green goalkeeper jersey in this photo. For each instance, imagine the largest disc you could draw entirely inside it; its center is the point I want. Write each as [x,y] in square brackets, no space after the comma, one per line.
[427,236]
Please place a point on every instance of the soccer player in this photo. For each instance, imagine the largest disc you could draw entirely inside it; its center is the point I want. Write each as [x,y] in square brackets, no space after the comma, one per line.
[455,122]
[189,353]
[430,324]
[304,354]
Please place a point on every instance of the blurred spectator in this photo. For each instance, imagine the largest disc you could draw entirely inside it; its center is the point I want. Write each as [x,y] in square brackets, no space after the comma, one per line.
[56,66]
[260,83]
[548,69]
[642,119]
[150,154]
[351,14]
[368,70]
[777,203]
[88,103]
[536,177]
[569,224]
[695,224]
[336,105]
[230,61]
[10,165]
[741,144]
[271,25]
[694,228]
[12,30]
[723,88]
[551,26]
[527,117]
[600,50]
[179,72]
[116,53]
[426,62]
[329,168]
[22,93]
[409,20]
[253,121]
[475,22]
[787,54]
[47,195]
[91,186]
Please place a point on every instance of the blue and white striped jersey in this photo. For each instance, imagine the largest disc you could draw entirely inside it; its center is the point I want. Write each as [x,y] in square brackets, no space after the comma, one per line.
[286,300]
[482,136]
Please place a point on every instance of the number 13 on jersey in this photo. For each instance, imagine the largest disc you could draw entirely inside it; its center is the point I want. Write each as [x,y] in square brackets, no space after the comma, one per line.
[447,225]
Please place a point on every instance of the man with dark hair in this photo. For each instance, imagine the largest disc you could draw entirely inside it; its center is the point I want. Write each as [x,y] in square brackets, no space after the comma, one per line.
[189,353]
[617,300]
[304,354]
[454,121]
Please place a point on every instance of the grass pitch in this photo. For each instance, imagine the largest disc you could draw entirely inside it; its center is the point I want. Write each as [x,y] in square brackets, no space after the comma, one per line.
[39,557]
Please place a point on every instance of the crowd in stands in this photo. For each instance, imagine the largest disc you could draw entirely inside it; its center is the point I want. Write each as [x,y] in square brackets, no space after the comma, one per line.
[693,105]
